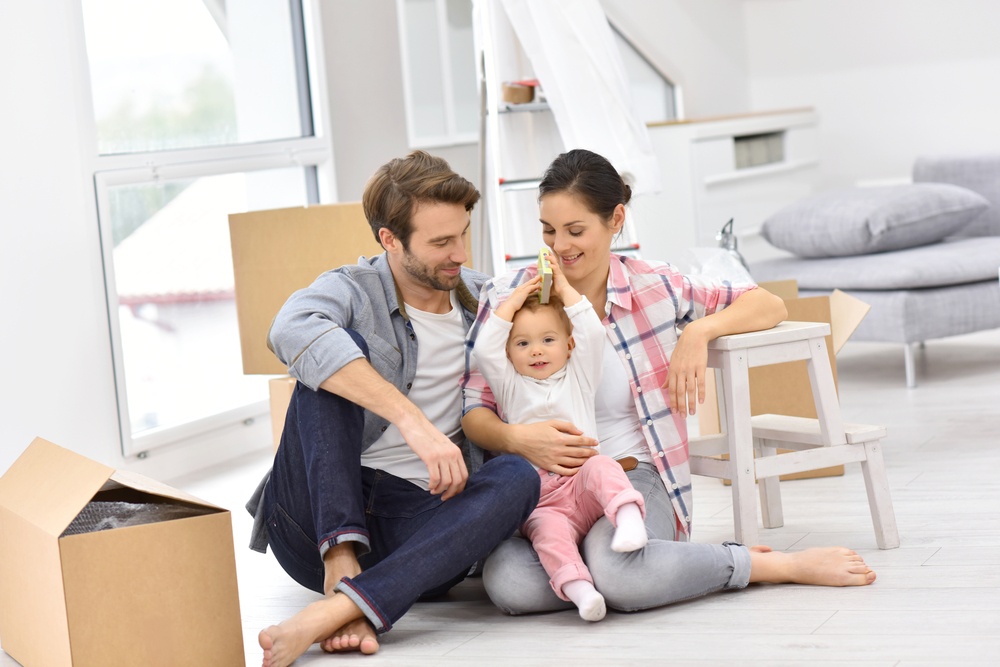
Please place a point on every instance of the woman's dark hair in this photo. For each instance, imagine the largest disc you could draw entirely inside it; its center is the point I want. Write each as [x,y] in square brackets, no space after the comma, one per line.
[590,177]
[393,192]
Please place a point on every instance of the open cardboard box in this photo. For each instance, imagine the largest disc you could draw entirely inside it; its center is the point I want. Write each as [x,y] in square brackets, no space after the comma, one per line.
[784,389]
[75,590]
[275,253]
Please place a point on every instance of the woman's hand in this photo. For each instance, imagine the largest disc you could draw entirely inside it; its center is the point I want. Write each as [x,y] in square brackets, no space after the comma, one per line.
[685,383]
[561,286]
[554,445]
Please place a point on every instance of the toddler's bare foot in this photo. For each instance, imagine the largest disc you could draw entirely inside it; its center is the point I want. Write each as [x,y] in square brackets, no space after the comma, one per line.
[355,636]
[285,642]
[826,566]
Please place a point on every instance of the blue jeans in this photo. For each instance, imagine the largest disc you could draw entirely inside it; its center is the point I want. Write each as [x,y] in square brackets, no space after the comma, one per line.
[410,544]
[662,572]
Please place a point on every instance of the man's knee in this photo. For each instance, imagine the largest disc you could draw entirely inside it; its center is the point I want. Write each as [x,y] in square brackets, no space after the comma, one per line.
[516,477]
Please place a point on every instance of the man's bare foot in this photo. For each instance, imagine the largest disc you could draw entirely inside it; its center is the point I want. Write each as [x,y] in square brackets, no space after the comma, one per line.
[826,566]
[355,636]
[285,642]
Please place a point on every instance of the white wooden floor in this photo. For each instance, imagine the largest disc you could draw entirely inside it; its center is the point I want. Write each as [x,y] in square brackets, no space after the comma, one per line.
[936,600]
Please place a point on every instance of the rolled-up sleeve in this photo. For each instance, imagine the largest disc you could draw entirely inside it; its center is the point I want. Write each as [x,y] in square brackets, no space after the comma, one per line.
[704,295]
[308,335]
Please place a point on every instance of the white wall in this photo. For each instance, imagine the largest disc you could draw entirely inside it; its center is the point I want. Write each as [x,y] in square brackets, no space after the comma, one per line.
[891,79]
[704,42]
[58,378]
[58,381]
[365,87]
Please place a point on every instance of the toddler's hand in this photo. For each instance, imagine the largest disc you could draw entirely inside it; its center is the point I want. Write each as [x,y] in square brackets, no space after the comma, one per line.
[517,298]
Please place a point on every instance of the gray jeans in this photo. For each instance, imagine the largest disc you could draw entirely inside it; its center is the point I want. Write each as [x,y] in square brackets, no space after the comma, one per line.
[662,572]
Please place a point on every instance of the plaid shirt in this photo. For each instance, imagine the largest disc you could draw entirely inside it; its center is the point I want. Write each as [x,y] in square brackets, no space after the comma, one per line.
[647,302]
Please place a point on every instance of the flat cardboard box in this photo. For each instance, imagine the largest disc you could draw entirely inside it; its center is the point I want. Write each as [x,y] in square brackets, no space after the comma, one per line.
[156,594]
[784,389]
[279,251]
[280,391]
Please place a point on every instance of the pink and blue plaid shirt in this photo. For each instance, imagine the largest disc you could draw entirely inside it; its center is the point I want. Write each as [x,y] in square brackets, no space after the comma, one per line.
[647,302]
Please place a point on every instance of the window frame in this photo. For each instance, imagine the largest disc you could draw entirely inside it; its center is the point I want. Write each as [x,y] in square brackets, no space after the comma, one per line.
[312,153]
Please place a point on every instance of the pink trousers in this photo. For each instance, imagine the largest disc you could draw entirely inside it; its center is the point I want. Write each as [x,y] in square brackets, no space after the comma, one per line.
[568,507]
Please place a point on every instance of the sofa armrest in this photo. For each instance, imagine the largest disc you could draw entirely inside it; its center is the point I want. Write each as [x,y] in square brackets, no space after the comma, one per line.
[977,172]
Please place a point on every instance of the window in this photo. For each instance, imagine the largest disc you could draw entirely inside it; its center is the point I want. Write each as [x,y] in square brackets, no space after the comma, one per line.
[653,94]
[202,108]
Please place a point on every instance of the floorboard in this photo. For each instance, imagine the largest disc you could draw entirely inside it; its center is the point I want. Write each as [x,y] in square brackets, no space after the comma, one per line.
[936,601]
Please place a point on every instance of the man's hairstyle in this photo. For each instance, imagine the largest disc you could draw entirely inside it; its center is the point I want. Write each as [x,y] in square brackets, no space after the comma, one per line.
[395,189]
[534,305]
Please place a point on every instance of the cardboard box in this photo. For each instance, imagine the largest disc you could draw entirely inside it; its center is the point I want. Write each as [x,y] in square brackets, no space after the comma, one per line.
[784,389]
[156,594]
[275,253]
[279,251]
[280,391]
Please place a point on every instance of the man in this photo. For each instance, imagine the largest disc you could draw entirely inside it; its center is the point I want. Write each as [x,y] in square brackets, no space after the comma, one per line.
[370,501]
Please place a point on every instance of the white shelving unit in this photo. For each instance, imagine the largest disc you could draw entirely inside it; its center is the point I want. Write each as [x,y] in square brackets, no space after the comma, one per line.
[517,143]
[744,167]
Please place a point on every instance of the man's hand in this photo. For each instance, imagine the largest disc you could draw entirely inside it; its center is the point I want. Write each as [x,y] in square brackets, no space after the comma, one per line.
[685,383]
[360,383]
[554,445]
[443,458]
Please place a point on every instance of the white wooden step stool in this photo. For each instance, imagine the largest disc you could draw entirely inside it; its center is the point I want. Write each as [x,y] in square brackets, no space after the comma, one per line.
[815,443]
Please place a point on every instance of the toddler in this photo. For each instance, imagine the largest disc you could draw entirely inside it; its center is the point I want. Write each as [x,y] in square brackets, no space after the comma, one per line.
[538,370]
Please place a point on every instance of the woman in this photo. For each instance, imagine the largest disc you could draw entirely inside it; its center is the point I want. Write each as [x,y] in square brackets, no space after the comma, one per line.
[653,379]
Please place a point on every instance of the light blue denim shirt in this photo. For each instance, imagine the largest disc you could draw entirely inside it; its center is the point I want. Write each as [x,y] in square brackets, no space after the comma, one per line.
[308,335]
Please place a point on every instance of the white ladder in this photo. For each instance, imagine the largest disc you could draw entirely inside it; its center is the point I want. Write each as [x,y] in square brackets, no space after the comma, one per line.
[517,143]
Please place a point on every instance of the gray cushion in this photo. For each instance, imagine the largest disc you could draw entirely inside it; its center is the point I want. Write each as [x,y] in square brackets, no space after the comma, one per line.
[953,262]
[908,316]
[980,173]
[865,220]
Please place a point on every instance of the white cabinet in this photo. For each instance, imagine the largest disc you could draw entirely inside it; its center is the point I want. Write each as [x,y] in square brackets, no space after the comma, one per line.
[742,167]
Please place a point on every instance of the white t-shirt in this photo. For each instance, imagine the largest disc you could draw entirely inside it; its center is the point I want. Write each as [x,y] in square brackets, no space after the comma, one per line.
[617,420]
[436,390]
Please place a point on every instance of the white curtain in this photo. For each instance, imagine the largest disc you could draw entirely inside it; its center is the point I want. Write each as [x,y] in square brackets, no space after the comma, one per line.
[574,55]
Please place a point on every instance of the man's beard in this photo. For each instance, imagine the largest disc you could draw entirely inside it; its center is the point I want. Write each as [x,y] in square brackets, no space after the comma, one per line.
[425,276]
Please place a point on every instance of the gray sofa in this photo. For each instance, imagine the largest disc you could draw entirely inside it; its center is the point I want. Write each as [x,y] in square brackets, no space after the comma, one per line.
[919,287]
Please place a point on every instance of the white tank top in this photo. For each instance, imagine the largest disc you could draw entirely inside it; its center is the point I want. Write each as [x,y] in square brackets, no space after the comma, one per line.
[617,420]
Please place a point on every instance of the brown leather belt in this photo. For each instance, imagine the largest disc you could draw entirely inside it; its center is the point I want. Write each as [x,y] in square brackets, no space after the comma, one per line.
[628,462]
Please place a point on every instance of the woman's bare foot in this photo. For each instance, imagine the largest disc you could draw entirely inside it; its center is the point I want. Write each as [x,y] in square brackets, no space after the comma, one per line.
[826,566]
[355,636]
[285,642]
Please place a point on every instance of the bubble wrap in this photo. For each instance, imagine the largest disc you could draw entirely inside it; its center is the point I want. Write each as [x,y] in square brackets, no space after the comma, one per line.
[104,515]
